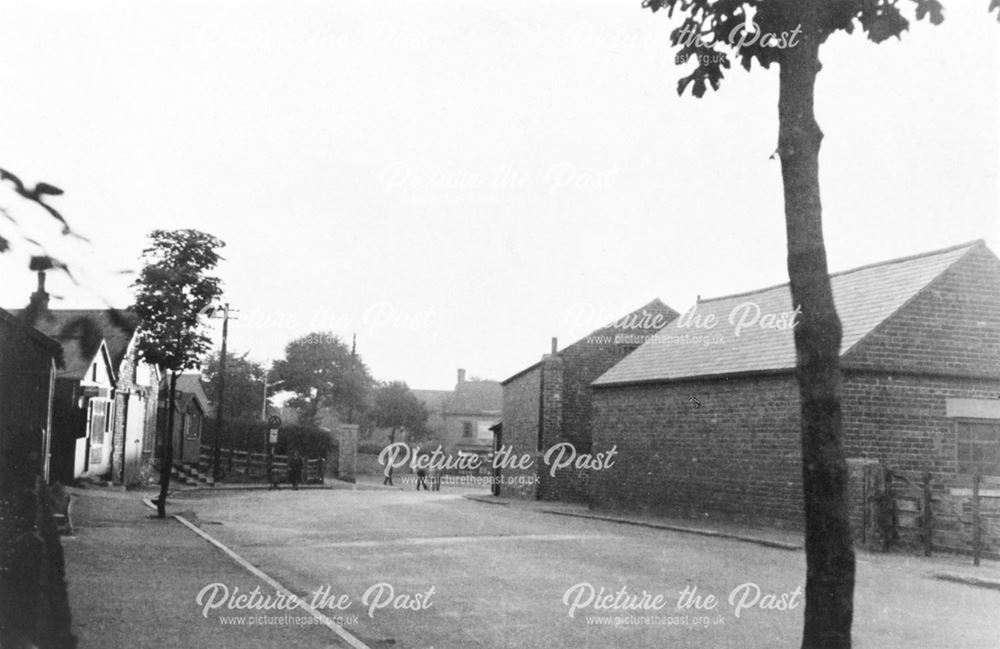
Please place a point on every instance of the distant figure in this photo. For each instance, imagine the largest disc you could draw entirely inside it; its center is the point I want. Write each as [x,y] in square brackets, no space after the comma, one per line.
[388,476]
[295,469]
[435,478]
[422,479]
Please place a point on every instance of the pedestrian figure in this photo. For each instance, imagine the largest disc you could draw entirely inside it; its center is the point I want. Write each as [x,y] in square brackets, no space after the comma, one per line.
[388,476]
[435,478]
[295,469]
[421,479]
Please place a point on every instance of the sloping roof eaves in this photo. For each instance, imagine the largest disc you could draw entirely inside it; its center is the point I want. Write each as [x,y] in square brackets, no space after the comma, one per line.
[115,326]
[514,377]
[473,397]
[654,306]
[49,344]
[865,297]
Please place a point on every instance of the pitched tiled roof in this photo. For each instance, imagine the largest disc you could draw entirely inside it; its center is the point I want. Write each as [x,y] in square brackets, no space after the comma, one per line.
[433,400]
[631,324]
[80,332]
[189,386]
[48,343]
[864,297]
[476,397]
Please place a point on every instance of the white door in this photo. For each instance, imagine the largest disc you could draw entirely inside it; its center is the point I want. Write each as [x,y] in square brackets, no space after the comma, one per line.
[133,437]
[98,436]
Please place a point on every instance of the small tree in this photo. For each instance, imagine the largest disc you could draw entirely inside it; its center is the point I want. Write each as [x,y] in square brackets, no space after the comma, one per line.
[790,33]
[323,373]
[171,292]
[397,408]
[244,386]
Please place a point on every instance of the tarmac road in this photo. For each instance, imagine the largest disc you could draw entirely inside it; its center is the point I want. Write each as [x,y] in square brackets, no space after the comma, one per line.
[435,570]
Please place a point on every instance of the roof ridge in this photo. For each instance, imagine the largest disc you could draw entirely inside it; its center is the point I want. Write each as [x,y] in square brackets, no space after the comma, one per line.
[887,262]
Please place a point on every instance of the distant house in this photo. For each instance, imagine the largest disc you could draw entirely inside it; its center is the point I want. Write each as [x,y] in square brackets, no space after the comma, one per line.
[105,407]
[27,385]
[708,421]
[457,419]
[468,414]
[190,410]
[549,402]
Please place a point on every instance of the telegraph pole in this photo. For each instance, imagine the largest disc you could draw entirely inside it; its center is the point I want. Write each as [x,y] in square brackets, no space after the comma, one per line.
[220,413]
[354,356]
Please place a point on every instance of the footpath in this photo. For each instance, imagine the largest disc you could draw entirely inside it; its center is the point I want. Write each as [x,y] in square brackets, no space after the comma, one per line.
[134,581]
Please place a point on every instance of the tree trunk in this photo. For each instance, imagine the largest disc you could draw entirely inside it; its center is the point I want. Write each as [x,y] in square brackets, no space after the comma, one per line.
[168,450]
[829,551]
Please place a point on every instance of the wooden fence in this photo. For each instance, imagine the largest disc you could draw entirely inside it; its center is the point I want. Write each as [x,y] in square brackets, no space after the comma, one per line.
[261,466]
[946,512]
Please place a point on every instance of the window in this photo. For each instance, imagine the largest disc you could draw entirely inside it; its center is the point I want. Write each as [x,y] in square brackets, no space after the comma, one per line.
[979,447]
[192,424]
[467,429]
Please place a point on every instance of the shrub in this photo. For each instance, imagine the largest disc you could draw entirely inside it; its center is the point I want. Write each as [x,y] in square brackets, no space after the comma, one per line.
[252,435]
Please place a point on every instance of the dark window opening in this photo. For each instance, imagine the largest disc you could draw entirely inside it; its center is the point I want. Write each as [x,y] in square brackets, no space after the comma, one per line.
[979,447]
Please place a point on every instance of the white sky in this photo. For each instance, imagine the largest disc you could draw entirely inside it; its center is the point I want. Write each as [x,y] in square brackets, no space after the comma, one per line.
[459,180]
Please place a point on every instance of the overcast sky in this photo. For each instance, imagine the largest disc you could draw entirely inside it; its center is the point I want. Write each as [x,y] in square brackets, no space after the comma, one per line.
[458,181]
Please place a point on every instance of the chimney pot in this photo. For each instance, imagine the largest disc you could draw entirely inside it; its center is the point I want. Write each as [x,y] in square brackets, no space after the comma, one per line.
[555,344]
[40,299]
[461,375]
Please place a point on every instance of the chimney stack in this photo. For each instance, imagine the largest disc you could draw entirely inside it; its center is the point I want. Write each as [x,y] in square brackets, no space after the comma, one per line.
[461,375]
[555,344]
[40,299]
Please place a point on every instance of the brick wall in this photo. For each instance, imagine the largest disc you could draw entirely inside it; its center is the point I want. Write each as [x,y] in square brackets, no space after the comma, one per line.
[951,327]
[901,420]
[521,408]
[566,408]
[127,381]
[581,363]
[737,453]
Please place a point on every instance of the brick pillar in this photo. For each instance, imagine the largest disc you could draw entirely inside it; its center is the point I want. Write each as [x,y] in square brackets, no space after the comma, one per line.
[347,458]
[551,413]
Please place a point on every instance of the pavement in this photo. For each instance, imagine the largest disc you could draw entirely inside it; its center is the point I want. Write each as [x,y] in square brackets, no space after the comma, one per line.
[134,579]
[499,573]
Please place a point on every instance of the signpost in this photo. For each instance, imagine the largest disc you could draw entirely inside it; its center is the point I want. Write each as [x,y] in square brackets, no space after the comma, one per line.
[273,424]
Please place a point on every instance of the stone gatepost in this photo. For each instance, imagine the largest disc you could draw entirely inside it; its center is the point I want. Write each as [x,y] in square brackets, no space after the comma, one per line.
[347,457]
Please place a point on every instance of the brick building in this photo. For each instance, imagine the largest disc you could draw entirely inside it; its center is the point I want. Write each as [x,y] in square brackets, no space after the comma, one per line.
[27,383]
[550,401]
[707,420]
[104,411]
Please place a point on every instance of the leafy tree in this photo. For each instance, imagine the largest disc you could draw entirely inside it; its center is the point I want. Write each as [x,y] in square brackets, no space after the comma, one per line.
[172,290]
[397,408]
[244,386]
[323,373]
[790,33]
